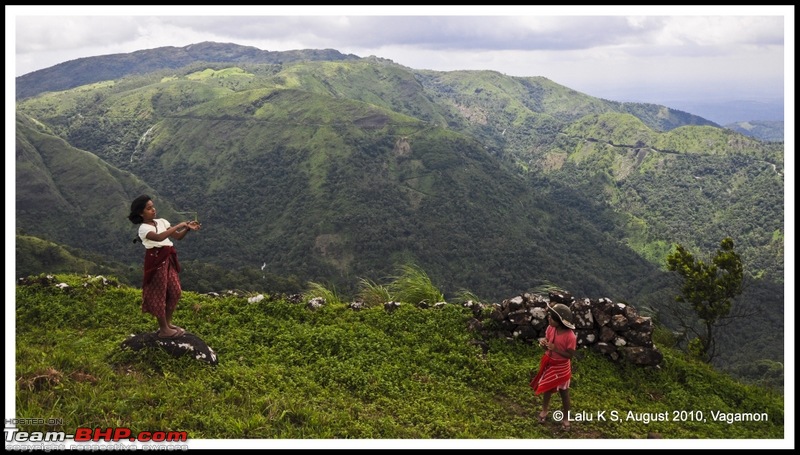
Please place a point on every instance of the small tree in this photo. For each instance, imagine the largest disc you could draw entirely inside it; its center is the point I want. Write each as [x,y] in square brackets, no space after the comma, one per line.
[708,289]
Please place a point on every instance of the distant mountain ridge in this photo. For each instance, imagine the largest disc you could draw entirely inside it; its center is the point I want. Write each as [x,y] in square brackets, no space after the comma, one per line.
[89,70]
[762,130]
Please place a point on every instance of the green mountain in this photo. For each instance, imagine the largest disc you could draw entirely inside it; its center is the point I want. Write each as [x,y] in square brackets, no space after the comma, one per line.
[334,189]
[85,71]
[690,185]
[303,169]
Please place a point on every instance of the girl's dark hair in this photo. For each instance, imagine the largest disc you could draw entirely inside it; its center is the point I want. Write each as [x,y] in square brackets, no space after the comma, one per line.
[137,207]
[555,317]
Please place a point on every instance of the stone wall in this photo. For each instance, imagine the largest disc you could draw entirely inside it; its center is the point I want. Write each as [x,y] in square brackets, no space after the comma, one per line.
[613,329]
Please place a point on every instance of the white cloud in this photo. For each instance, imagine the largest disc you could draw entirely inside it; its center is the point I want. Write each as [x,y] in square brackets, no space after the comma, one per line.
[48,33]
[610,52]
[722,30]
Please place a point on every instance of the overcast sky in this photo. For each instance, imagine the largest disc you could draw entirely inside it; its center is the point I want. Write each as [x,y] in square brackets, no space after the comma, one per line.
[647,54]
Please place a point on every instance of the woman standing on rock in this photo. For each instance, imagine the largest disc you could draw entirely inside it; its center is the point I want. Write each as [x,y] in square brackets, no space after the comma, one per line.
[161,287]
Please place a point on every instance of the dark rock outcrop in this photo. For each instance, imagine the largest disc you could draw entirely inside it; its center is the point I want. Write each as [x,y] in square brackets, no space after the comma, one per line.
[187,344]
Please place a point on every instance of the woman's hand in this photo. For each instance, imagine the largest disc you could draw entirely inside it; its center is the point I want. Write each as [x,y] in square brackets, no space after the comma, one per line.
[193,225]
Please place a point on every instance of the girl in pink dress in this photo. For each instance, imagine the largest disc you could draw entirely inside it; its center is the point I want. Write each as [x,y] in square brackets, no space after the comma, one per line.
[555,368]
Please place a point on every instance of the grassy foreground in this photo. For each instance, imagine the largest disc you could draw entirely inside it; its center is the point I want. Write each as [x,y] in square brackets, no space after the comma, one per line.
[287,372]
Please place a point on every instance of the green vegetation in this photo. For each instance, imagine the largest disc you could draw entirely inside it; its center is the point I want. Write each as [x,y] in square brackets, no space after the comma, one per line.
[318,290]
[412,285]
[708,289]
[372,293]
[287,372]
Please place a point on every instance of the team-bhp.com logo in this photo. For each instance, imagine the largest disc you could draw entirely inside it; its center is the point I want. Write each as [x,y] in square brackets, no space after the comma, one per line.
[84,434]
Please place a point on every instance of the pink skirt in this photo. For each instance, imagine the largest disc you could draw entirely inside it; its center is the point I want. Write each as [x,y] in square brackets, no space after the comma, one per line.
[553,374]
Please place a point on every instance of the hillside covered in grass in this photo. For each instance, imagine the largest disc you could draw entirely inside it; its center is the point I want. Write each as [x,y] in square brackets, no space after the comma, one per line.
[288,372]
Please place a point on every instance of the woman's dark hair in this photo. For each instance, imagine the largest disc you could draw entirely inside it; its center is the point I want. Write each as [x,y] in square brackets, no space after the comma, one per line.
[137,207]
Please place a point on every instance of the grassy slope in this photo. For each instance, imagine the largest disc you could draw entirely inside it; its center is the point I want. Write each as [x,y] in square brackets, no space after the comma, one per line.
[287,372]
